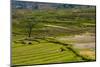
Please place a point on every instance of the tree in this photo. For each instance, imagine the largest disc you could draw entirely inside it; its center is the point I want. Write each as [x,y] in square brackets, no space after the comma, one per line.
[30,29]
[30,24]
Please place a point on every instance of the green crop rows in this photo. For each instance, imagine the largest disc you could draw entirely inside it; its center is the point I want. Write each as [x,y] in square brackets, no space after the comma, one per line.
[48,24]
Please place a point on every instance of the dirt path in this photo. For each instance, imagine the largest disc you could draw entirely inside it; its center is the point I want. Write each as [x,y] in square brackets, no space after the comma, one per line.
[56,26]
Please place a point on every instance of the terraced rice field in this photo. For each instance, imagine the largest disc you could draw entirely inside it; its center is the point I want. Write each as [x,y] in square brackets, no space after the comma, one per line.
[41,53]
